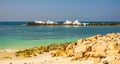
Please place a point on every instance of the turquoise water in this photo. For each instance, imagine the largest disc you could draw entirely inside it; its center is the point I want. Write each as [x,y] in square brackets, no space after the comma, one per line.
[15,35]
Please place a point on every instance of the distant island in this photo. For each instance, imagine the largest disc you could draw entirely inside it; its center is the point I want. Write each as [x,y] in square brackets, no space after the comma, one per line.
[74,23]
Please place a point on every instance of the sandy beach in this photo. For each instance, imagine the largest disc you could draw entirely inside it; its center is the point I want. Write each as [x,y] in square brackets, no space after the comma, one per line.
[44,58]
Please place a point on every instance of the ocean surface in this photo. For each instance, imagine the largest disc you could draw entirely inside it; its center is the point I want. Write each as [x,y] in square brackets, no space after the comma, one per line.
[16,35]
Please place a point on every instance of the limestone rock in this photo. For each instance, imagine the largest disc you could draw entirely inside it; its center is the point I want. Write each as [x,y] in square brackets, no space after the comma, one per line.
[100,49]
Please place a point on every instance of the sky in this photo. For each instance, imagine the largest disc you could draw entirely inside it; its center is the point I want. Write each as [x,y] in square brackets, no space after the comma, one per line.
[84,10]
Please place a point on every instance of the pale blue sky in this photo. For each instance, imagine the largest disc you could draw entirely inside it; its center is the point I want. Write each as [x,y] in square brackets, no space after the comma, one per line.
[85,10]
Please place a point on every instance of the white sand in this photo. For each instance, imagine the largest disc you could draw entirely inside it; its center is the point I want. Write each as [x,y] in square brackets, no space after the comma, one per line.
[40,59]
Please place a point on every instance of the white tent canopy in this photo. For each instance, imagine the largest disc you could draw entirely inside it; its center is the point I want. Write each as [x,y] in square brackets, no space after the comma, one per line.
[67,22]
[76,22]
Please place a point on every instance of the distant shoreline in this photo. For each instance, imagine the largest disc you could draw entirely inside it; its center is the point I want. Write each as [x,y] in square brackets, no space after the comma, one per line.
[82,24]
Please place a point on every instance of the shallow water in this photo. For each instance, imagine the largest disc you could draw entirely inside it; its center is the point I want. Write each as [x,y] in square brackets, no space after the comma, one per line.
[17,35]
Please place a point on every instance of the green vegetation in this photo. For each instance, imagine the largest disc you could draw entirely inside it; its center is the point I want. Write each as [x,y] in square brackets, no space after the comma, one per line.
[7,57]
[40,49]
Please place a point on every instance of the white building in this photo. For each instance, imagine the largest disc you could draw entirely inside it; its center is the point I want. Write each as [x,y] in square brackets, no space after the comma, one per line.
[76,22]
[51,22]
[40,22]
[67,22]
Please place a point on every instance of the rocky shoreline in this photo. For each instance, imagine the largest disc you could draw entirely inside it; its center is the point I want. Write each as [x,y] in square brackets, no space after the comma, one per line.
[96,49]
[101,49]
